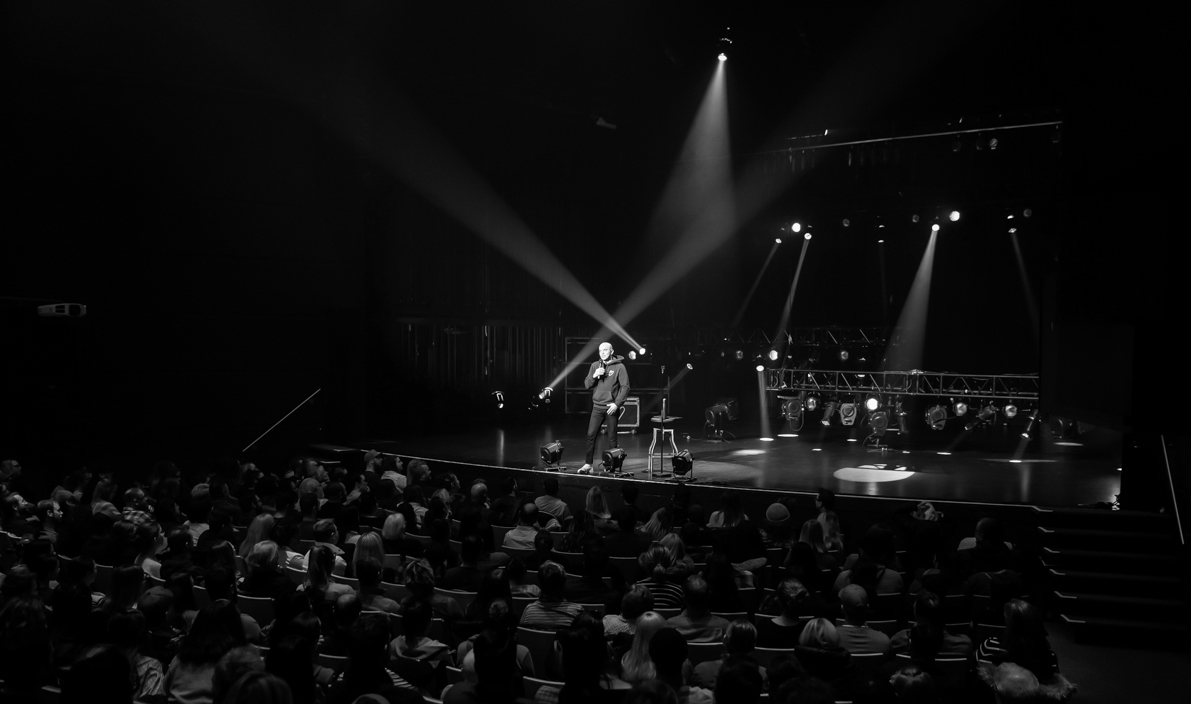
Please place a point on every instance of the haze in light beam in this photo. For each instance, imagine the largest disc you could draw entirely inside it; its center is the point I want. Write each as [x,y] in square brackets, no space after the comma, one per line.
[906,343]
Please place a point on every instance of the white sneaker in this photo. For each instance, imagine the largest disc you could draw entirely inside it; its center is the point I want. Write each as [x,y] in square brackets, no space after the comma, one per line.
[585,469]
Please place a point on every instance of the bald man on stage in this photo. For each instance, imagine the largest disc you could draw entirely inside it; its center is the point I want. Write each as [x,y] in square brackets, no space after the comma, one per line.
[610,380]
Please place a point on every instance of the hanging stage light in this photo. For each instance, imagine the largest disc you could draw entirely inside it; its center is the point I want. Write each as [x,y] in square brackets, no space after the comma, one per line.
[552,455]
[936,417]
[632,355]
[879,422]
[1030,426]
[983,415]
[614,459]
[796,227]
[847,413]
[828,411]
[935,227]
[961,408]
[1010,410]
[500,399]
[872,403]
[791,407]
[954,216]
[807,236]
[812,402]
[772,355]
[843,355]
[760,367]
[900,414]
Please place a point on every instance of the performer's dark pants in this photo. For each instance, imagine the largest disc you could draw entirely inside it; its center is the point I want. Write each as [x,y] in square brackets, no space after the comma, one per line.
[598,415]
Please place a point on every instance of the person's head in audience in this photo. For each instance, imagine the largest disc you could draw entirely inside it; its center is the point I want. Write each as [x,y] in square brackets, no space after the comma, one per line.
[25,648]
[528,514]
[370,546]
[128,630]
[220,583]
[128,581]
[738,682]
[437,510]
[208,639]
[912,685]
[471,549]
[367,504]
[347,609]
[348,521]
[584,657]
[1011,683]
[629,494]
[368,650]
[236,663]
[782,669]
[495,584]
[102,675]
[19,581]
[990,532]
[222,553]
[419,578]
[335,492]
[812,534]
[550,487]
[150,540]
[655,562]
[730,509]
[819,633]
[319,568]
[178,542]
[440,531]
[120,540]
[325,532]
[626,519]
[668,650]
[791,594]
[416,621]
[595,502]
[229,616]
[72,609]
[263,558]
[595,558]
[181,586]
[49,513]
[1025,639]
[638,663]
[658,524]
[292,659]
[674,545]
[651,692]
[285,534]
[370,572]
[635,602]
[831,530]
[262,688]
[496,657]
[877,543]
[825,500]
[394,528]
[543,544]
[308,504]
[721,577]
[478,493]
[740,638]
[853,600]
[805,689]
[695,596]
[552,579]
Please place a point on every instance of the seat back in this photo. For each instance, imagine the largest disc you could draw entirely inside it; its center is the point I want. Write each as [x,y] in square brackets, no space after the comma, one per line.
[540,645]
[889,605]
[304,546]
[296,576]
[952,671]
[396,592]
[596,610]
[258,607]
[749,596]
[522,554]
[464,598]
[454,675]
[869,663]
[667,613]
[887,626]
[731,615]
[519,604]
[498,535]
[335,662]
[765,656]
[557,537]
[627,567]
[533,684]
[393,562]
[201,597]
[703,652]
[103,578]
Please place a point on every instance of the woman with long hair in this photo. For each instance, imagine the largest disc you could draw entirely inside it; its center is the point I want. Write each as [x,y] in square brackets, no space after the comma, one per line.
[190,674]
[582,528]
[266,577]
[128,581]
[730,514]
[657,526]
[1023,642]
[320,583]
[812,535]
[371,546]
[655,563]
[258,530]
[832,537]
[927,638]
[597,507]
[636,665]
[677,549]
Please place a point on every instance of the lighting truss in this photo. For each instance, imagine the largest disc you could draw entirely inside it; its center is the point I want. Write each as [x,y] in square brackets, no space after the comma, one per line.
[1024,387]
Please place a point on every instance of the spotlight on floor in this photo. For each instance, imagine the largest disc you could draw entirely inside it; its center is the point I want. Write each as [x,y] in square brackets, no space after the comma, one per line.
[614,459]
[828,411]
[1010,410]
[552,455]
[960,408]
[872,403]
[954,216]
[683,464]
[936,417]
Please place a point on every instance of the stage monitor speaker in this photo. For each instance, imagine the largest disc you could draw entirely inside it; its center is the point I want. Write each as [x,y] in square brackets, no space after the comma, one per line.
[630,413]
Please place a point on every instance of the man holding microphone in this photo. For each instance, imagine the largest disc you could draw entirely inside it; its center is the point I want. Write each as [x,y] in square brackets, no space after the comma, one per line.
[610,380]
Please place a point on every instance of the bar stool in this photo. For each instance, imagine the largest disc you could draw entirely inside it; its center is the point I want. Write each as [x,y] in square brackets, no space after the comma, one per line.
[667,434]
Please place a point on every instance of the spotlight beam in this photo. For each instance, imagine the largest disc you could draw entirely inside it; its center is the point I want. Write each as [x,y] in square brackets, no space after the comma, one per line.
[766,432]
[785,319]
[753,289]
[396,136]
[906,345]
[1031,306]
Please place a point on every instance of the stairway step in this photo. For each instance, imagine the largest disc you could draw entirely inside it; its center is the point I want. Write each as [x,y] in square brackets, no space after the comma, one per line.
[1114,606]
[1132,562]
[1104,520]
[1112,540]
[1065,580]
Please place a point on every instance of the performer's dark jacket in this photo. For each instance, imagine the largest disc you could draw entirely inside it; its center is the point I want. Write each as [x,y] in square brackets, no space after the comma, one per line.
[613,387]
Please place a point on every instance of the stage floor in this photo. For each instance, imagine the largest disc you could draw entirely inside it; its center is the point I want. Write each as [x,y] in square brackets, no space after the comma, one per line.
[982,467]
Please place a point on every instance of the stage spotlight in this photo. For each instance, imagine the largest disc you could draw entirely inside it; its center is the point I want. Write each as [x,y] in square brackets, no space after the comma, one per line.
[683,464]
[760,367]
[552,454]
[777,240]
[935,227]
[812,402]
[1027,213]
[723,57]
[807,236]
[847,222]
[614,459]
[983,415]
[901,419]
[872,403]
[500,399]
[641,351]
[791,407]
[1010,410]
[954,216]
[739,354]
[1012,230]
[936,417]
[632,354]
[843,355]
[772,355]
[1030,426]
[960,408]
[879,422]
[915,218]
[690,367]
[796,227]
[847,413]
[828,411]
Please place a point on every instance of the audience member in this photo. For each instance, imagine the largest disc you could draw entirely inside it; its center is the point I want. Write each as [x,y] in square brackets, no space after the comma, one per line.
[584,659]
[549,502]
[668,650]
[368,673]
[413,643]
[521,537]
[419,579]
[696,622]
[543,549]
[493,663]
[1023,642]
[626,541]
[740,681]
[783,630]
[854,634]
[928,631]
[739,641]
[504,507]
[819,651]
[551,611]
[260,688]
[236,663]
[655,564]
[189,677]
[629,493]
[635,602]
[371,595]
[320,582]
[326,535]
[590,587]
[265,577]
[636,664]
[102,676]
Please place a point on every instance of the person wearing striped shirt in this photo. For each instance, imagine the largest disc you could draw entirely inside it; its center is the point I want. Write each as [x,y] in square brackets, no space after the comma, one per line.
[551,611]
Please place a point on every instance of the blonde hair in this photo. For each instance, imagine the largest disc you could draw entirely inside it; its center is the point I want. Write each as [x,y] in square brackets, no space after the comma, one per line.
[597,506]
[674,545]
[369,546]
[319,565]
[264,555]
[654,529]
[258,530]
[820,633]
[636,665]
[812,535]
[831,533]
[394,525]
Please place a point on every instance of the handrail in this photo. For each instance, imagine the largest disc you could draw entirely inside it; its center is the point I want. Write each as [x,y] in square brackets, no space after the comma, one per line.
[1174,497]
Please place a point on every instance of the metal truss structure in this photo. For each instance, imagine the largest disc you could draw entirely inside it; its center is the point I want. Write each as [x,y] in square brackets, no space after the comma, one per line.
[805,337]
[1021,387]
